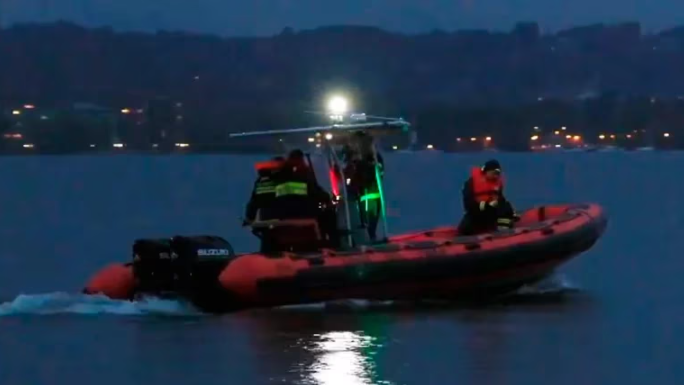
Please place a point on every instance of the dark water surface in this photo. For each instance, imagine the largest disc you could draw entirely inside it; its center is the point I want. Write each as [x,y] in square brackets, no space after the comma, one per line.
[615,315]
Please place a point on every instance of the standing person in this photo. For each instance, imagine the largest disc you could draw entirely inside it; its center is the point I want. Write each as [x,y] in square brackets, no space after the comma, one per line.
[263,196]
[299,196]
[362,181]
[263,192]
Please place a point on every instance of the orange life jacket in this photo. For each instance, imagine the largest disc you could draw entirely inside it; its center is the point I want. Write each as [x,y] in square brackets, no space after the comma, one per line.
[485,190]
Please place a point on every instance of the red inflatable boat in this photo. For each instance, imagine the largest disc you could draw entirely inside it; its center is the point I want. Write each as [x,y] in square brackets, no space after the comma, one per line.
[436,264]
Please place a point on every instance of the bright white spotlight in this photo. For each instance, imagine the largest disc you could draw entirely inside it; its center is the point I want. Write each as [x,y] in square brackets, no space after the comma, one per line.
[338,105]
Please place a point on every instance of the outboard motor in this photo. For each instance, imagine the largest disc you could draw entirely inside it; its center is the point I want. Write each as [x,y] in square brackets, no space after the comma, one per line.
[202,247]
[155,265]
[179,264]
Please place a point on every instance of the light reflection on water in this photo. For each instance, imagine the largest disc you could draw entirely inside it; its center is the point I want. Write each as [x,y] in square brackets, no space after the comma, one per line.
[342,357]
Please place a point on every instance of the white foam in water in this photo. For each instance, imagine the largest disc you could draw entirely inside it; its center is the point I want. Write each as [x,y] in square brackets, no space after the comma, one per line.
[343,304]
[554,284]
[65,303]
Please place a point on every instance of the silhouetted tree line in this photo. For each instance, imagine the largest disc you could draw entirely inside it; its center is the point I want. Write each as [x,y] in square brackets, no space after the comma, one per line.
[592,79]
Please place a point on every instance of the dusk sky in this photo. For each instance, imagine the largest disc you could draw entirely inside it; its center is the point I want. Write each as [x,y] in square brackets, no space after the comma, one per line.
[267,17]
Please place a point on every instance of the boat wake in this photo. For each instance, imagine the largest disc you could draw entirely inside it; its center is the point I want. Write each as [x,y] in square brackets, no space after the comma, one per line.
[555,284]
[553,289]
[57,303]
[65,303]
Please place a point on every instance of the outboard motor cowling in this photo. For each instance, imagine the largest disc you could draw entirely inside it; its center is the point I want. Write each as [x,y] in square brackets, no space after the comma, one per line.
[179,264]
[155,265]
[202,247]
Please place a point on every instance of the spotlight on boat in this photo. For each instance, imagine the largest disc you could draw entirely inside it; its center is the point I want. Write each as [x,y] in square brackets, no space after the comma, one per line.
[338,106]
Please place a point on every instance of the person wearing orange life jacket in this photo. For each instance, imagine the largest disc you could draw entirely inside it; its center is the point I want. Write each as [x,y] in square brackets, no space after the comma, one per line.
[486,207]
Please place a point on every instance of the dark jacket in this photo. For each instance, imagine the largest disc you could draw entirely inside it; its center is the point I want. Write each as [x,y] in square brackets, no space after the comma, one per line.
[297,194]
[263,196]
[361,175]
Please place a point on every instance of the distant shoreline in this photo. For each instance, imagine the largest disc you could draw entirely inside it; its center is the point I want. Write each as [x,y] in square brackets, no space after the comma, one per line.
[462,90]
[30,152]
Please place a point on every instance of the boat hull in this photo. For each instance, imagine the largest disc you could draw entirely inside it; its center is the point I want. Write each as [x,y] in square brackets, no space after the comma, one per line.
[435,264]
